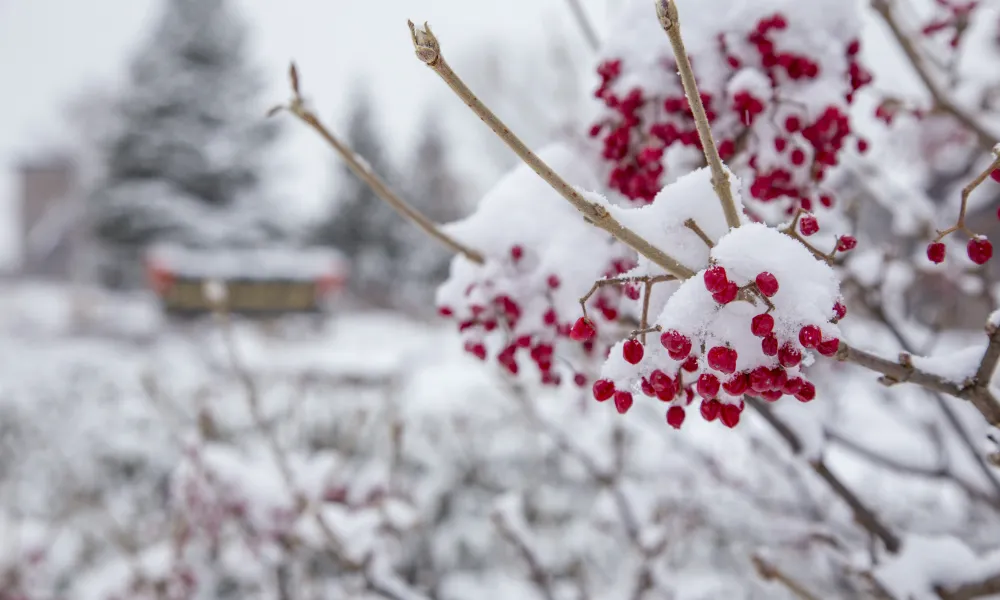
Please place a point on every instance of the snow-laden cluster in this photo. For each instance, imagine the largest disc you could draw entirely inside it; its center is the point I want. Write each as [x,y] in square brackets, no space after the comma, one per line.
[776,79]
[541,257]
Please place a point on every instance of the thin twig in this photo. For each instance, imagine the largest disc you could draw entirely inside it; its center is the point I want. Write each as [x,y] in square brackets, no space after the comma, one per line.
[360,168]
[428,50]
[539,574]
[583,21]
[966,192]
[693,226]
[941,99]
[666,10]
[770,572]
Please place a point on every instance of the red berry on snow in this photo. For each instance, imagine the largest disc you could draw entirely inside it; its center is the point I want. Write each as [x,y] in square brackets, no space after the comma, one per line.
[730,415]
[789,356]
[828,347]
[623,401]
[678,345]
[767,284]
[633,351]
[675,417]
[762,325]
[809,336]
[727,294]
[737,385]
[808,225]
[722,359]
[710,409]
[715,279]
[847,242]
[839,310]
[936,252]
[806,393]
[603,389]
[516,253]
[708,385]
[769,345]
[980,250]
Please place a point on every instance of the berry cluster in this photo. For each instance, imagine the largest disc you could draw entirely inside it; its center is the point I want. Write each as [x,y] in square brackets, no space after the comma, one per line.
[513,303]
[727,333]
[786,145]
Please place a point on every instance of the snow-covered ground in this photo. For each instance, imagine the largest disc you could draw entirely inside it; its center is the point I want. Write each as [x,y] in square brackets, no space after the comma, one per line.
[135,451]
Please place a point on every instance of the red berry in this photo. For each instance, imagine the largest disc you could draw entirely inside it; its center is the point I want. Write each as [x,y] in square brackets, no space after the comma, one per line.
[660,380]
[769,345]
[708,385]
[553,281]
[798,157]
[633,351]
[936,252]
[839,310]
[828,347]
[550,317]
[623,401]
[580,379]
[516,253]
[793,385]
[789,356]
[582,330]
[737,385]
[809,336]
[980,250]
[995,175]
[603,389]
[730,415]
[675,417]
[806,393]
[647,388]
[445,311]
[846,242]
[727,294]
[808,225]
[862,145]
[792,124]
[722,359]
[762,325]
[632,292]
[476,349]
[678,346]
[853,48]
[767,284]
[710,409]
[691,364]
[715,279]
[760,379]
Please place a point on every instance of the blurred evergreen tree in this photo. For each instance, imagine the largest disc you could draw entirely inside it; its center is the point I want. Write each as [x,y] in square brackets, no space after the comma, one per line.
[185,160]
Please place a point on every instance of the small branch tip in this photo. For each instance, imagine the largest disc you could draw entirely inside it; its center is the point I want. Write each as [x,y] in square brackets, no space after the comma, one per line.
[425,43]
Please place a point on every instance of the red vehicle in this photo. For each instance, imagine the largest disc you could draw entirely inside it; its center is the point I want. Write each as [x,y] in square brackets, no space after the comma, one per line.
[251,281]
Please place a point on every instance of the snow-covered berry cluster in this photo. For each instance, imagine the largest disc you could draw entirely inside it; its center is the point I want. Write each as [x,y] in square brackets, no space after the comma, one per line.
[776,79]
[747,324]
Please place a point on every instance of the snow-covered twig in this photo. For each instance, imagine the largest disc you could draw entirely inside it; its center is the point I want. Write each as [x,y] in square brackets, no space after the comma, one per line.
[666,10]
[428,50]
[515,535]
[360,168]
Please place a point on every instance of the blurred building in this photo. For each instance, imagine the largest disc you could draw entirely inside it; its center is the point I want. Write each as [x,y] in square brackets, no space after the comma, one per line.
[55,239]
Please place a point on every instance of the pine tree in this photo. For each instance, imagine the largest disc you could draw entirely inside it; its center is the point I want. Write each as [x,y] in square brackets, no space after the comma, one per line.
[359,223]
[186,160]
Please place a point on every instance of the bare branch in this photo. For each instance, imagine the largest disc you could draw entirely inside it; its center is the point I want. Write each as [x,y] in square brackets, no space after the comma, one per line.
[770,572]
[666,10]
[360,168]
[966,192]
[583,21]
[987,587]
[941,99]
[539,574]
[863,515]
[428,50]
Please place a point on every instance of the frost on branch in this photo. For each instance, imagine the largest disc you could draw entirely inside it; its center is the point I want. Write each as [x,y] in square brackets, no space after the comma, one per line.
[541,258]
[776,78]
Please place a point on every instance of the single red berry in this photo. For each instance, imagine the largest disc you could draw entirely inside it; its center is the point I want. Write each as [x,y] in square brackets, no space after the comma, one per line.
[550,317]
[995,175]
[793,385]
[808,225]
[737,385]
[715,279]
[580,379]
[760,379]
[516,253]
[691,364]
[980,250]
[722,359]
[767,284]
[678,345]
[792,124]
[727,294]
[853,48]
[762,325]
[523,341]
[828,347]
[603,389]
[936,252]
[647,388]
[730,415]
[633,351]
[708,385]
[806,393]
[780,143]
[660,380]
[623,401]
[632,292]
[769,345]
[778,378]
[798,157]
[675,417]
[789,356]
[445,311]
[862,145]
[839,310]
[476,349]
[583,330]
[847,242]
[553,281]
[809,336]
[710,409]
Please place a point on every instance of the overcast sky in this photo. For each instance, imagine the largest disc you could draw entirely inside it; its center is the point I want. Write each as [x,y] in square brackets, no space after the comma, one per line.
[52,50]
